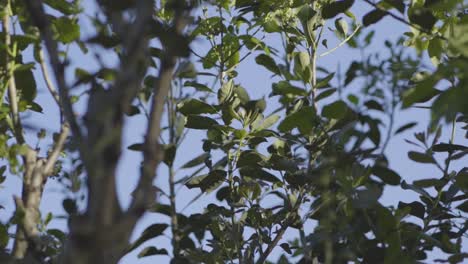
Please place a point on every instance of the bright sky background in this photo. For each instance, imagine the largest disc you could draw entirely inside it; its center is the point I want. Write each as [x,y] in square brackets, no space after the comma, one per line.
[257,81]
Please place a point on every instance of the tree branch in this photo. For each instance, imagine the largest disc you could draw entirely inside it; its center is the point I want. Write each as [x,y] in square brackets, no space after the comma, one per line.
[40,20]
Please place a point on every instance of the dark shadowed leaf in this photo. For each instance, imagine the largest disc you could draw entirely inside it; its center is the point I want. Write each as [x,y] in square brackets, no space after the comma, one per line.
[267,62]
[405,127]
[420,157]
[195,107]
[334,8]
[386,175]
[373,17]
[200,122]
[150,232]
[196,161]
[151,251]
[335,110]
[417,208]
[444,147]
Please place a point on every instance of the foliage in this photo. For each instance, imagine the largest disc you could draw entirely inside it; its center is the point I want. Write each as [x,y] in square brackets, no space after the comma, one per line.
[311,157]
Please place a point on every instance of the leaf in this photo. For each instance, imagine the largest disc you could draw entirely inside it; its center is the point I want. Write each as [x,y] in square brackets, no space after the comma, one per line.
[195,107]
[417,189]
[198,86]
[63,6]
[342,27]
[70,206]
[136,147]
[334,8]
[285,247]
[463,206]
[426,183]
[200,122]
[444,147]
[268,122]
[373,17]
[405,127]
[386,175]
[422,92]
[324,82]
[4,237]
[249,158]
[417,208]
[66,30]
[226,92]
[420,157]
[150,232]
[196,161]
[372,104]
[208,182]
[285,88]
[258,173]
[335,110]
[302,119]
[325,94]
[151,251]
[398,4]
[422,17]
[267,62]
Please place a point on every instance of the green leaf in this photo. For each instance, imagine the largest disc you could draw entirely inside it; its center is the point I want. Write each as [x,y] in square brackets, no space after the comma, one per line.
[250,158]
[463,206]
[444,147]
[422,92]
[373,17]
[324,82]
[386,175]
[136,147]
[198,86]
[285,88]
[63,6]
[195,107]
[335,110]
[405,127]
[325,94]
[66,30]
[422,17]
[196,161]
[334,8]
[150,232]
[226,92]
[258,173]
[342,27]
[268,122]
[420,157]
[267,62]
[417,189]
[416,208]
[200,122]
[302,119]
[208,182]
[4,237]
[374,105]
[398,4]
[70,206]
[151,251]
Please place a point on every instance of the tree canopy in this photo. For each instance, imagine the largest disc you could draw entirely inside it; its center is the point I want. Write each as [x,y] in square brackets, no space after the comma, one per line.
[295,175]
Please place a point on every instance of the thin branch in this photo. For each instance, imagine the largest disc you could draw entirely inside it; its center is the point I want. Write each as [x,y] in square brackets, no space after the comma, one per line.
[40,20]
[10,63]
[152,154]
[55,152]
[45,75]
[342,43]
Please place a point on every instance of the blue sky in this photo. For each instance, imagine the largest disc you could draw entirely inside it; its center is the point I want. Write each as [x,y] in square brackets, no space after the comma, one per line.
[258,83]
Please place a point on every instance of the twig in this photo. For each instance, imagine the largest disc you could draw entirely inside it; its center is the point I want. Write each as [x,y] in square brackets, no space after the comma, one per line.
[12,91]
[45,75]
[55,152]
[342,43]
[39,17]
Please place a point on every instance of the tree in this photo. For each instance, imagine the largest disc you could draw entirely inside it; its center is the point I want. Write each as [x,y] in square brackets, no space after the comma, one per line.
[316,163]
